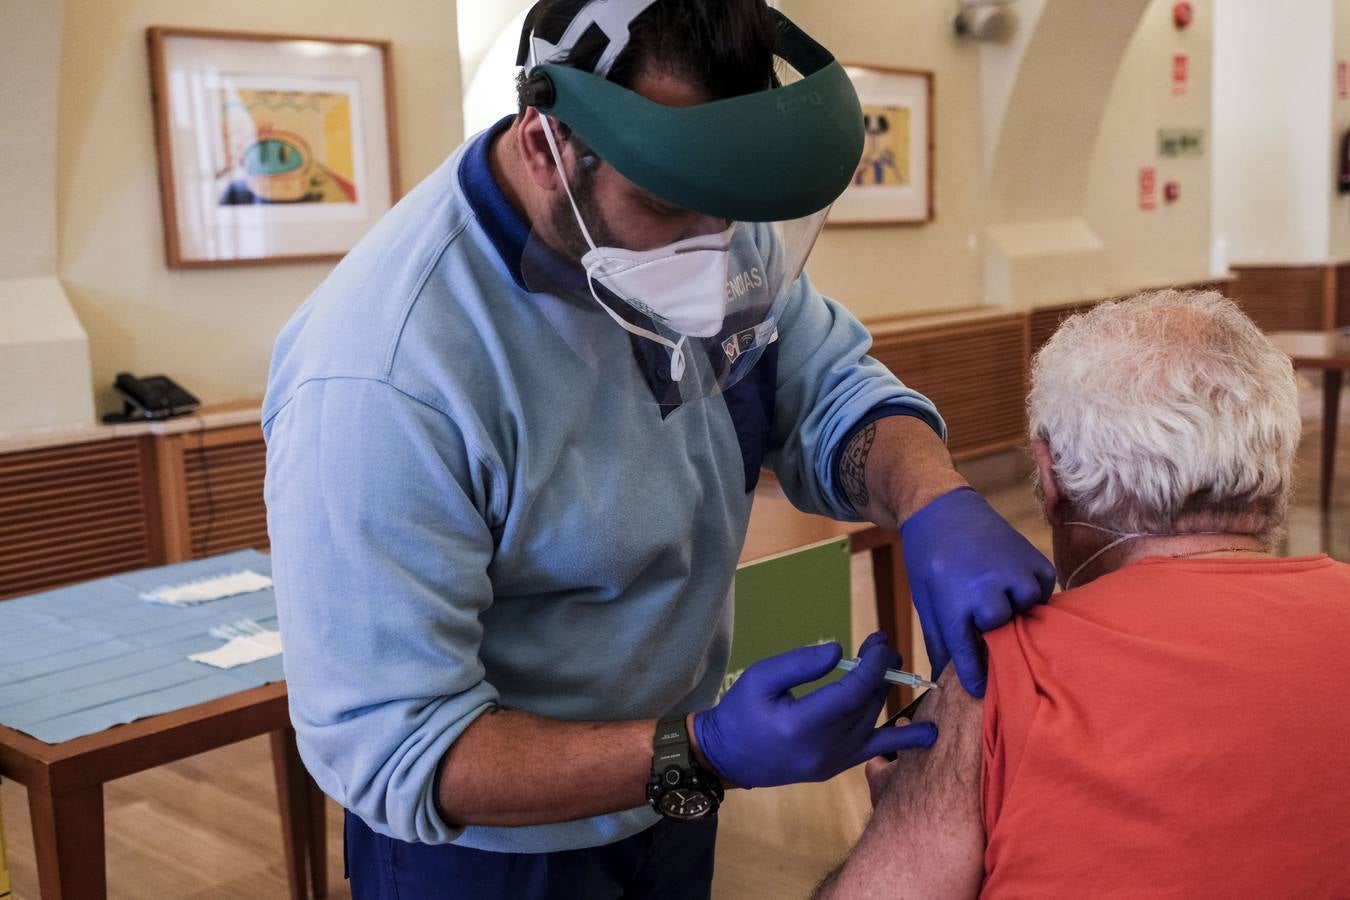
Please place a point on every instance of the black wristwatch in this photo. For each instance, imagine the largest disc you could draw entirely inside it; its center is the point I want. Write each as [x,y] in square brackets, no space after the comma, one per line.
[679,787]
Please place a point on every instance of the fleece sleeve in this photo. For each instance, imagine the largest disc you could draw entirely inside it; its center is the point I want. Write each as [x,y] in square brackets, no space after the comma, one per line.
[827,387]
[379,513]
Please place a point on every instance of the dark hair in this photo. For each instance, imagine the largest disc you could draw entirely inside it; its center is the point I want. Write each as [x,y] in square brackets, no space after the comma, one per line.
[725,47]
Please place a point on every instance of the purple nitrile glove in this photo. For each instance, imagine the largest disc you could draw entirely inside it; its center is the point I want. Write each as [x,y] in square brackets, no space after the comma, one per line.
[761,736]
[969,572]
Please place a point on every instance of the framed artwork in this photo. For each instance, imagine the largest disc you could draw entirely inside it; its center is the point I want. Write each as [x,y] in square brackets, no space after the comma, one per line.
[894,179]
[272,148]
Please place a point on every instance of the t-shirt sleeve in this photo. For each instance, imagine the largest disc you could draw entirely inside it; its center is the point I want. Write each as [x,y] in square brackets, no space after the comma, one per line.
[1009,703]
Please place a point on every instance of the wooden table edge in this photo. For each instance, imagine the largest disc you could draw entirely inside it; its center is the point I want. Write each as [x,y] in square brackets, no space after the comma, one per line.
[145,743]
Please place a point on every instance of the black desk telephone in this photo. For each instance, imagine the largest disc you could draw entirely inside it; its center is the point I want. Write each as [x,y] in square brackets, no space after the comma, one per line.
[149,399]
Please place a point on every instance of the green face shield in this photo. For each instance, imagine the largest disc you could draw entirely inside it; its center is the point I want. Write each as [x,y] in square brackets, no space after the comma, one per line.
[698,314]
[778,154]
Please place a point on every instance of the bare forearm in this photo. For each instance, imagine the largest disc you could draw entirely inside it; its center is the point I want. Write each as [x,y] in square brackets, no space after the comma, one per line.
[895,466]
[515,768]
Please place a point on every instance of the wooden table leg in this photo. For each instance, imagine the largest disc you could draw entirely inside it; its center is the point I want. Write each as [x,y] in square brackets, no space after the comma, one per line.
[1331,408]
[894,610]
[318,840]
[293,801]
[68,840]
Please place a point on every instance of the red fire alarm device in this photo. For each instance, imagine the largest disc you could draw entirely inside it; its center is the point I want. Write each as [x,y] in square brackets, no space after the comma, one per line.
[1148,188]
[1172,191]
[1181,74]
[1182,15]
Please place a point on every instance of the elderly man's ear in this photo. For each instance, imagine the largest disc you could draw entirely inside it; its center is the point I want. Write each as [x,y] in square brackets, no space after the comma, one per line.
[1051,497]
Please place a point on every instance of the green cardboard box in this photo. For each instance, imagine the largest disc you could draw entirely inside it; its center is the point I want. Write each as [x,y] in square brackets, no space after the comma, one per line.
[796,598]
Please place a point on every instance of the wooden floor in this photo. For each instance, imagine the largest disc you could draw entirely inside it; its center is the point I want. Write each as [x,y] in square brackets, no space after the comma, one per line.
[207,827]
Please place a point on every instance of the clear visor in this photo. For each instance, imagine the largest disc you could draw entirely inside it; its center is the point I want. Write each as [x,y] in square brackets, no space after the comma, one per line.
[682,322]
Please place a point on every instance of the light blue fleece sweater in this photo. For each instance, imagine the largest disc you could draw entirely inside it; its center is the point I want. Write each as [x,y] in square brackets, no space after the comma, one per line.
[463,513]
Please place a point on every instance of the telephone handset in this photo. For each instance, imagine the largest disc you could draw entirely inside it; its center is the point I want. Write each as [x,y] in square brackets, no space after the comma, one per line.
[149,399]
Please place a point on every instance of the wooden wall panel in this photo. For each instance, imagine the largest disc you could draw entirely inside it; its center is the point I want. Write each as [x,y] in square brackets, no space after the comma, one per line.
[1282,298]
[974,371]
[74,512]
[224,490]
[1343,296]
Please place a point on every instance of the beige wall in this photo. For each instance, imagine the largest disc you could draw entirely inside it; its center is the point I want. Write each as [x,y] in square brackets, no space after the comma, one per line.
[30,42]
[881,271]
[1273,173]
[1339,249]
[1169,244]
[210,329]
[884,271]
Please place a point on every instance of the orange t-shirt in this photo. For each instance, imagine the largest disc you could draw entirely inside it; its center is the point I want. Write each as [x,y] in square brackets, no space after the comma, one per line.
[1177,728]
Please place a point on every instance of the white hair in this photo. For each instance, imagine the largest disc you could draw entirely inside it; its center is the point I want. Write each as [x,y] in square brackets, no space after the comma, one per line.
[1166,410]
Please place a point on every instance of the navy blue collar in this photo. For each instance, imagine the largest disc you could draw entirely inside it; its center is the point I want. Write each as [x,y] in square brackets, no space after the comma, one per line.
[505,227]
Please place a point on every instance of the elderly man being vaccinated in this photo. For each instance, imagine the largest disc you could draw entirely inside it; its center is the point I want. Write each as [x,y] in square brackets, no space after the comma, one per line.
[513,441]
[1174,723]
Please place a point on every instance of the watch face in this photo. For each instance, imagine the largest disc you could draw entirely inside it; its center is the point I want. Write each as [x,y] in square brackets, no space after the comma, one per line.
[683,803]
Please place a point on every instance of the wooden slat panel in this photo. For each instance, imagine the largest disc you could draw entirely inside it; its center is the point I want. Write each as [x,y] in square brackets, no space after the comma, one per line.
[72,454]
[70,528]
[1343,296]
[81,569]
[71,513]
[63,515]
[46,502]
[974,372]
[225,495]
[1281,298]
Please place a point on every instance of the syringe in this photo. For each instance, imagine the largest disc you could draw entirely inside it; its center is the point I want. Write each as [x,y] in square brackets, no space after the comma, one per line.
[894,676]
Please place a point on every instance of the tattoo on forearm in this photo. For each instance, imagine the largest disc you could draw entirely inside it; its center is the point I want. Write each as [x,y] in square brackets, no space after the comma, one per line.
[853,466]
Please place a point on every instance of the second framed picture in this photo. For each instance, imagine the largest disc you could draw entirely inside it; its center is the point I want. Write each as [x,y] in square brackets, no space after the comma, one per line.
[894,179]
[272,148]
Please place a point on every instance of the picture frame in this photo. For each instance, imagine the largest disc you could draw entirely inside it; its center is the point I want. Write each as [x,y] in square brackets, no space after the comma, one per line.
[272,148]
[894,180]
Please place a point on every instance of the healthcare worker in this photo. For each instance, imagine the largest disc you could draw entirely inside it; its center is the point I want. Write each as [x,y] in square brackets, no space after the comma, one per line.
[512,445]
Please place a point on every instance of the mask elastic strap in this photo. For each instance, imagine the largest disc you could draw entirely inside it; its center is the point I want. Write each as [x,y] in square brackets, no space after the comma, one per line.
[1123,536]
[1068,582]
[676,347]
[567,188]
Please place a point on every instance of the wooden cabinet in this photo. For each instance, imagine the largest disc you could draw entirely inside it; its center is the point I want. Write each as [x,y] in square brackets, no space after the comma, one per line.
[112,500]
[973,368]
[74,512]
[211,491]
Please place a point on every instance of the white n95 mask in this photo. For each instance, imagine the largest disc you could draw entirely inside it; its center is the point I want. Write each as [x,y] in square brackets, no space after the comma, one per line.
[683,285]
[711,304]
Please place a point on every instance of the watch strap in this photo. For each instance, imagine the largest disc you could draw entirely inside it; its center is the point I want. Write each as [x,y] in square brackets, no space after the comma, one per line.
[670,746]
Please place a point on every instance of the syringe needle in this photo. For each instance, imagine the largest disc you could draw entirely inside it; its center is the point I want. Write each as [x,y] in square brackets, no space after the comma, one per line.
[894,676]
